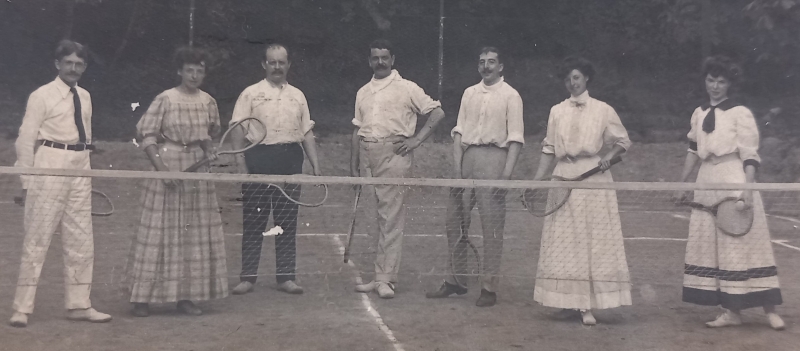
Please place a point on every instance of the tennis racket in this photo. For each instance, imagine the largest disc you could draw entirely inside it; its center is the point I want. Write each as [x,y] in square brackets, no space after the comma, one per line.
[542,202]
[102,206]
[252,127]
[352,225]
[730,220]
[465,219]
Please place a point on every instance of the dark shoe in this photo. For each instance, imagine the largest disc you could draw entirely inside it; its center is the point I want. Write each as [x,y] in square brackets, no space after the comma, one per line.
[446,290]
[140,309]
[188,307]
[487,299]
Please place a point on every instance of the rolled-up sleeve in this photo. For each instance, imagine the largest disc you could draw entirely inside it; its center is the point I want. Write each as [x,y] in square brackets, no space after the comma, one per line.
[515,124]
[462,116]
[243,107]
[35,113]
[615,133]
[149,127]
[357,118]
[306,124]
[421,103]
[548,144]
[747,136]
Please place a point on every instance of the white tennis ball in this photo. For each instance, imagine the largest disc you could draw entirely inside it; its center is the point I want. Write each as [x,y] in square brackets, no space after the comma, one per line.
[740,205]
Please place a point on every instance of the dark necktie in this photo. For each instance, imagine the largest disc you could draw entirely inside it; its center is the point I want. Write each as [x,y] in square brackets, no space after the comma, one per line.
[78,117]
[710,123]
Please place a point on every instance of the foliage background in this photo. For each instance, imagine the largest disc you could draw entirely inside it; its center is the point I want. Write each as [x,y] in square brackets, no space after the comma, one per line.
[648,53]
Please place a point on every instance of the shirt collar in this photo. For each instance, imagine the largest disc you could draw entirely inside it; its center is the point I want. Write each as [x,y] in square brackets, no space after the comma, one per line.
[725,105]
[62,87]
[494,87]
[584,97]
[275,86]
[379,84]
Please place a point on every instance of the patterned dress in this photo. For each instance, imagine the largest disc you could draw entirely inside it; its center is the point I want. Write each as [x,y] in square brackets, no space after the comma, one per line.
[734,272]
[582,263]
[178,252]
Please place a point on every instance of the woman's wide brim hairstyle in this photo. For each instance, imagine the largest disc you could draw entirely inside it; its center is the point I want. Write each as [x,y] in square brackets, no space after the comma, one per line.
[723,66]
[576,62]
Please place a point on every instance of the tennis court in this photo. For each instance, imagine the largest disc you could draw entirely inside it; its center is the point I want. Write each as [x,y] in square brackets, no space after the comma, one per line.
[330,316]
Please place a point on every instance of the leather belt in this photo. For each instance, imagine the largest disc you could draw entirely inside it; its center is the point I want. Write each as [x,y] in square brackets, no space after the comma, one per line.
[389,139]
[75,147]
[190,147]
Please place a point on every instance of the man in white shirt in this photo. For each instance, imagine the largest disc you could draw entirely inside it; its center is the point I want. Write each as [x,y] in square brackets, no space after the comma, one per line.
[56,132]
[283,109]
[382,146]
[487,140]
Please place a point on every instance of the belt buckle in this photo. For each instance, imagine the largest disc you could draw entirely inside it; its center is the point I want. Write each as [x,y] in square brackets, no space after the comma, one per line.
[80,146]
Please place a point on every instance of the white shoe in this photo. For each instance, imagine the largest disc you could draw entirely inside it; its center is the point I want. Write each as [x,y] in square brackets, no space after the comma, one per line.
[88,315]
[290,287]
[368,287]
[587,318]
[19,320]
[243,288]
[775,321]
[385,290]
[726,319]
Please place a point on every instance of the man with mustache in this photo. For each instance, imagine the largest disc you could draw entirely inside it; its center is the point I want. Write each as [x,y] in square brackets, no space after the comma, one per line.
[486,143]
[56,132]
[283,109]
[383,142]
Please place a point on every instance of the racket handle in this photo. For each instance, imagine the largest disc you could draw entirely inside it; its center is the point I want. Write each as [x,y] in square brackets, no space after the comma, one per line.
[197,165]
[593,171]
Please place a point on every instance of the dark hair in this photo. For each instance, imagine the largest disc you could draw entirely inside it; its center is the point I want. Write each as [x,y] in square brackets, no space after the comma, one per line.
[488,49]
[576,62]
[189,55]
[723,66]
[382,44]
[69,47]
[274,46]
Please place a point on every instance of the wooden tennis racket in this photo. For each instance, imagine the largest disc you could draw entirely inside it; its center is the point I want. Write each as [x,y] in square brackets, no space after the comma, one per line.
[466,198]
[253,127]
[542,202]
[352,225]
[730,220]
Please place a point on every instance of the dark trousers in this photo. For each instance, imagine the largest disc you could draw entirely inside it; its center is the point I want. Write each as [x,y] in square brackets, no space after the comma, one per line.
[260,200]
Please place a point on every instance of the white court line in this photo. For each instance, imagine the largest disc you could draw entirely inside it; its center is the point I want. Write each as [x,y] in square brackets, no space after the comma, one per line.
[368,303]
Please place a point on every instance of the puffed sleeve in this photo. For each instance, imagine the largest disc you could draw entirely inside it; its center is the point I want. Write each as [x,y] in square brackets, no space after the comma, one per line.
[515,124]
[615,133]
[149,127]
[306,124]
[747,137]
[214,127]
[693,134]
[357,117]
[462,115]
[548,144]
[421,103]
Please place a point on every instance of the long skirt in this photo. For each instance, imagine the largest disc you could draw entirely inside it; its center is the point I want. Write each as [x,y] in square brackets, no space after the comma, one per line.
[178,252]
[582,262]
[734,272]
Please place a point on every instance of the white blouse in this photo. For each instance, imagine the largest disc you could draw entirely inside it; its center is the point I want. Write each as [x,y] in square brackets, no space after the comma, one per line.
[735,131]
[580,126]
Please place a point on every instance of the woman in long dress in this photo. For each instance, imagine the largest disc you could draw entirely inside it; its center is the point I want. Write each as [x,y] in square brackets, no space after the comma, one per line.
[178,253]
[582,264]
[734,272]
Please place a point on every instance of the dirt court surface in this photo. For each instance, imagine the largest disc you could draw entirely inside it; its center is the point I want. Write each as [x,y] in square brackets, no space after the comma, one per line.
[330,316]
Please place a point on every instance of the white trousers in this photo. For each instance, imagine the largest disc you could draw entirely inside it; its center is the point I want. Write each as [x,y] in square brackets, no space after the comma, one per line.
[54,201]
